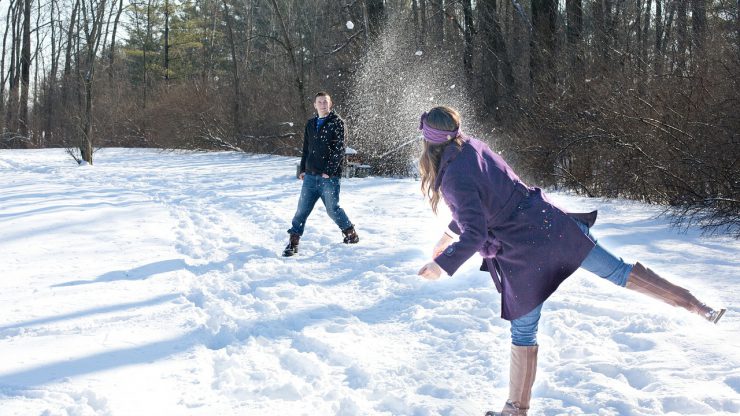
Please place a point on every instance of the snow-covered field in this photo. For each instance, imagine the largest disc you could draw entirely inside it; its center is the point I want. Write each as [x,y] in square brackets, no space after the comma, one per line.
[152,284]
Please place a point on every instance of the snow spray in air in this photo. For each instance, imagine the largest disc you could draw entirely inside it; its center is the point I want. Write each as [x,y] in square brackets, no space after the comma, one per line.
[398,80]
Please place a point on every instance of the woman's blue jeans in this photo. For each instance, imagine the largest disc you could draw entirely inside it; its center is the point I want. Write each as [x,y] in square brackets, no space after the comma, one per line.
[599,262]
[315,187]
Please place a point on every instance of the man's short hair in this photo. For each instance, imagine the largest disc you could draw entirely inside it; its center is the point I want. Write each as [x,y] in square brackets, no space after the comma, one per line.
[322,94]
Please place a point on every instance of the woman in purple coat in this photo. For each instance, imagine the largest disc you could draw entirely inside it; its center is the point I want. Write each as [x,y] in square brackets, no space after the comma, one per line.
[529,245]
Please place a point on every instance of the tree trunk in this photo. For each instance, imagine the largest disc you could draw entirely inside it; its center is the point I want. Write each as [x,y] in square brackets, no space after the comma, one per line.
[574,14]
[489,66]
[52,78]
[291,54]
[645,34]
[147,41]
[167,39]
[658,37]
[667,28]
[375,16]
[234,71]
[112,54]
[93,28]
[542,47]
[637,28]
[415,16]
[698,31]
[38,57]
[601,54]
[682,41]
[3,79]
[67,74]
[521,34]
[438,22]
[25,70]
[495,57]
[423,13]
[13,72]
[468,41]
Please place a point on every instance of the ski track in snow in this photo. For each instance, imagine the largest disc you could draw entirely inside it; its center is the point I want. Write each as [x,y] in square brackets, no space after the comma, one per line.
[152,283]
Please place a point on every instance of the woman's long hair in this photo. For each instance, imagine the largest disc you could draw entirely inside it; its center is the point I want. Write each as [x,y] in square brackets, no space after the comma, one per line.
[441,118]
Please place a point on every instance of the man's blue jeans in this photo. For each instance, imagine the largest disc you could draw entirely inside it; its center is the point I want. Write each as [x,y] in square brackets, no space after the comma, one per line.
[315,187]
[599,262]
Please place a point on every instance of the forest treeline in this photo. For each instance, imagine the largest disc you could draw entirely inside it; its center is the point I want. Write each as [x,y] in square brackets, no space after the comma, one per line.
[617,98]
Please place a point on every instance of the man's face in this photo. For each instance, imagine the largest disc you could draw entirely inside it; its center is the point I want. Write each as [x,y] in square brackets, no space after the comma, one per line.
[322,104]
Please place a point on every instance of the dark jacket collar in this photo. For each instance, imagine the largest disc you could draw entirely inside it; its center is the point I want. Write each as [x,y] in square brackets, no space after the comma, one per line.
[328,117]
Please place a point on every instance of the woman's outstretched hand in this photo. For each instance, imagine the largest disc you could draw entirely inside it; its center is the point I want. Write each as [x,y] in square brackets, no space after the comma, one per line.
[430,271]
[441,245]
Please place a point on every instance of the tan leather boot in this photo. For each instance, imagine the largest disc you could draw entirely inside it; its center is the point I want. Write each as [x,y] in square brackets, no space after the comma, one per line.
[644,280]
[521,379]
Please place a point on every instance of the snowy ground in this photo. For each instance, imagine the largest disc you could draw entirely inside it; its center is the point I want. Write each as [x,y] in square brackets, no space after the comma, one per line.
[152,284]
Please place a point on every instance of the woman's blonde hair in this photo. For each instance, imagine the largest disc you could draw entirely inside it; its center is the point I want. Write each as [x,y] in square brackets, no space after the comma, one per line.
[441,118]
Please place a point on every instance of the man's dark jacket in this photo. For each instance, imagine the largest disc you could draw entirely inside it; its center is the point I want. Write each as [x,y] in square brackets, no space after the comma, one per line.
[323,150]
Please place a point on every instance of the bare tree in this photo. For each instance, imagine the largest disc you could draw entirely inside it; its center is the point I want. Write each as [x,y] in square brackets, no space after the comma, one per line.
[11,121]
[698,31]
[644,37]
[3,78]
[234,69]
[542,47]
[25,70]
[112,52]
[375,12]
[468,40]
[682,37]
[437,21]
[92,13]
[70,43]
[574,33]
[494,58]
[287,44]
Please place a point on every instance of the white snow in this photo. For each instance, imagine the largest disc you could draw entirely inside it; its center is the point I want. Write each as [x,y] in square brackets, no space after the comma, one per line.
[151,283]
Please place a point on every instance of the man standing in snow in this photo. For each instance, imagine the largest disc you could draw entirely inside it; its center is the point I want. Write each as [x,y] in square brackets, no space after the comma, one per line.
[321,169]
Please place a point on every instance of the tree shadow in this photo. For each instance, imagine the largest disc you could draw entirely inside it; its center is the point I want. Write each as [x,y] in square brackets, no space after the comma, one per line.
[46,373]
[238,260]
[290,326]
[67,207]
[93,311]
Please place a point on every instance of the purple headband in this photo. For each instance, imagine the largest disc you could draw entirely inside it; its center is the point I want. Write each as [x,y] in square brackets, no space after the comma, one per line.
[433,135]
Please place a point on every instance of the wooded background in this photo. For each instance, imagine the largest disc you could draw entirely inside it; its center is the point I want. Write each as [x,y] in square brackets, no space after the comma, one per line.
[618,98]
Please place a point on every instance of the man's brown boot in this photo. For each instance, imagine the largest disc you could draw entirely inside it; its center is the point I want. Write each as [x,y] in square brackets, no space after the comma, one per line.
[350,236]
[292,247]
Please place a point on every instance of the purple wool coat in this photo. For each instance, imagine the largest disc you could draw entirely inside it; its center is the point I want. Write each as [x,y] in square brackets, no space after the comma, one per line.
[527,242]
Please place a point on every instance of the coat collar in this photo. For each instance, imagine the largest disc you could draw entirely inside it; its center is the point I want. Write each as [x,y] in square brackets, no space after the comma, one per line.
[329,116]
[448,156]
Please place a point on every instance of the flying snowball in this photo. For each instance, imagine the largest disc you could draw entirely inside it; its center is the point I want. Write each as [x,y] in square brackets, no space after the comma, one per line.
[350,25]
[419,53]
